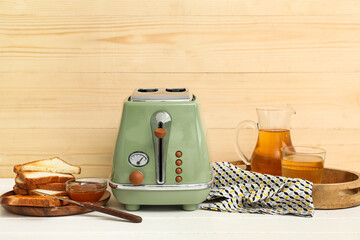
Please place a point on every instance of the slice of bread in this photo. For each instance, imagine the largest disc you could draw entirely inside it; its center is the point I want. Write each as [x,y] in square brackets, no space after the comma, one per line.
[62,194]
[64,203]
[33,201]
[20,191]
[48,186]
[50,192]
[23,184]
[55,165]
[32,178]
[52,186]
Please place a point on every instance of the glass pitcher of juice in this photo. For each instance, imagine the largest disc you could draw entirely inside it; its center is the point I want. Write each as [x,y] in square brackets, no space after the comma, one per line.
[273,133]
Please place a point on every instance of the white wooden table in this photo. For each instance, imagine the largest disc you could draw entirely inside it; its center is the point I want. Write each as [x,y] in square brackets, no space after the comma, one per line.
[173,223]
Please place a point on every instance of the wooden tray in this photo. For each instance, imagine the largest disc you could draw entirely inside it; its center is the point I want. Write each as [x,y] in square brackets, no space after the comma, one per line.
[51,211]
[339,189]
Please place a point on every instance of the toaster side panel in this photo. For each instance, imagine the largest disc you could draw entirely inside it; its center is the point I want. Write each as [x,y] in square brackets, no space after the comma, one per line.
[134,136]
[187,136]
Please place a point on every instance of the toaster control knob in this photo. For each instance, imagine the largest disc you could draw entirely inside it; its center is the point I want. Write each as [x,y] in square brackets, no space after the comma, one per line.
[178,154]
[136,178]
[160,132]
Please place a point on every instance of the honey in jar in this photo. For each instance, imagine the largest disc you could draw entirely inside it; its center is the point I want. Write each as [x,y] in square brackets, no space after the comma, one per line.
[86,189]
[86,193]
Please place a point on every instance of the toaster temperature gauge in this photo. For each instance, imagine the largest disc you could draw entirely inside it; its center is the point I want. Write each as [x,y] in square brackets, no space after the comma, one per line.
[138,159]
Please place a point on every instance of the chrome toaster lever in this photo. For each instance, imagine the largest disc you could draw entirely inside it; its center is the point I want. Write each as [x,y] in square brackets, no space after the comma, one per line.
[160,126]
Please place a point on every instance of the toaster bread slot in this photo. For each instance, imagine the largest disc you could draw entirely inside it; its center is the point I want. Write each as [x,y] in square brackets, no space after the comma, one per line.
[176,89]
[145,90]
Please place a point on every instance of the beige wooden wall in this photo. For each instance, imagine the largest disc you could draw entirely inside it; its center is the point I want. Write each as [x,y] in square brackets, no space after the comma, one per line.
[66,67]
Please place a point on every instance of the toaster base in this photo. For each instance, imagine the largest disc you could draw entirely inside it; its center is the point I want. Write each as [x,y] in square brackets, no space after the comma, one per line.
[186,207]
[133,199]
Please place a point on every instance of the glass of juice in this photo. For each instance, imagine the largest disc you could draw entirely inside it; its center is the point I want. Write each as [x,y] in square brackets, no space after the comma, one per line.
[303,162]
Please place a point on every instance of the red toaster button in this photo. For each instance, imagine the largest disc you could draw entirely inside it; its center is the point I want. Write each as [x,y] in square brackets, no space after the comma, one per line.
[178,154]
[178,179]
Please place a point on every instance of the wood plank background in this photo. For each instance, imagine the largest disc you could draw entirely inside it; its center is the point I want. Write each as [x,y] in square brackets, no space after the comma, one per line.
[67,66]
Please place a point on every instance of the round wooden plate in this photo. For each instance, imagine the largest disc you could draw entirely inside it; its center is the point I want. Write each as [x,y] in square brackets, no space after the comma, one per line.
[51,211]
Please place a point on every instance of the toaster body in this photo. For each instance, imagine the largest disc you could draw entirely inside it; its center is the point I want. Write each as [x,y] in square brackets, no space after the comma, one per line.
[161,156]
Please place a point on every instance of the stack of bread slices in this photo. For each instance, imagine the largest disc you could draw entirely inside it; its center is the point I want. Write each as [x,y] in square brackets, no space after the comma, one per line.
[42,176]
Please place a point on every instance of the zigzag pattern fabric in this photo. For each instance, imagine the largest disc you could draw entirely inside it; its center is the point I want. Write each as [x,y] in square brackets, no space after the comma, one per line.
[237,190]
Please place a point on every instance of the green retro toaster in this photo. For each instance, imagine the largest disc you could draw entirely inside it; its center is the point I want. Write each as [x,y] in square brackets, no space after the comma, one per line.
[161,157]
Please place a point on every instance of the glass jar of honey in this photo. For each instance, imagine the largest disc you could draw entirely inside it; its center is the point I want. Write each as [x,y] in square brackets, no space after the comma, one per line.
[86,189]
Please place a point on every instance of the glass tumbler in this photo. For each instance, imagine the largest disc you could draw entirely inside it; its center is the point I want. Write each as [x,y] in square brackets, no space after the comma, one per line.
[303,162]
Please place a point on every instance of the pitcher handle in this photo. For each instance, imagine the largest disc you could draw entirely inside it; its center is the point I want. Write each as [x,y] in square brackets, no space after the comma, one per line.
[242,125]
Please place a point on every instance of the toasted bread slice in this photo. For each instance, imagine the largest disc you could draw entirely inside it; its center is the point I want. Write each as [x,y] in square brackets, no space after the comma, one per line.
[20,191]
[62,194]
[32,178]
[52,186]
[23,184]
[51,192]
[55,165]
[48,186]
[33,201]
[63,203]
